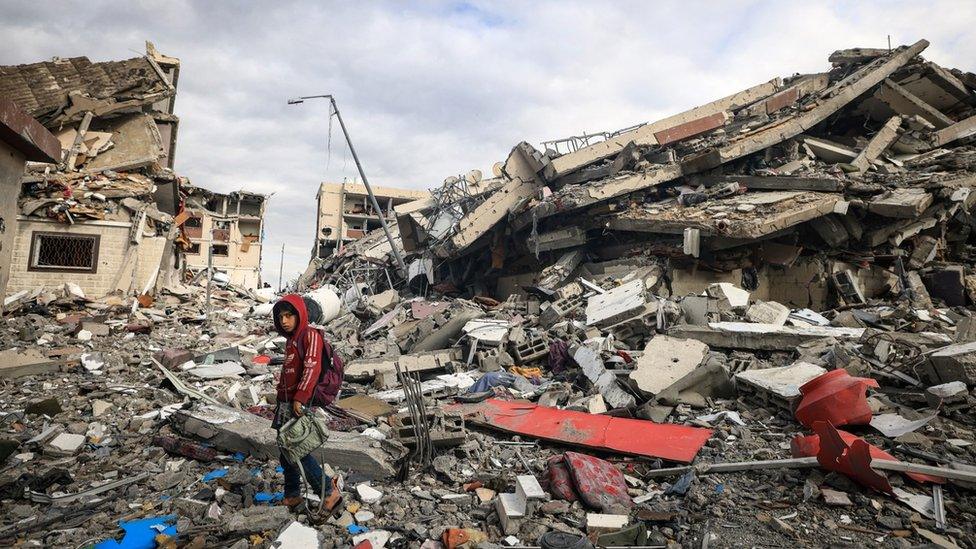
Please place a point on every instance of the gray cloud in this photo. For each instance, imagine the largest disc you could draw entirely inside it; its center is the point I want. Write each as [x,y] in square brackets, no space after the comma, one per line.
[437,88]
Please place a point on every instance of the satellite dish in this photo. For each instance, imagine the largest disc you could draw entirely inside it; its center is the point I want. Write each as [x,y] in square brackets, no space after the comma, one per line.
[474,176]
[497,169]
[451,180]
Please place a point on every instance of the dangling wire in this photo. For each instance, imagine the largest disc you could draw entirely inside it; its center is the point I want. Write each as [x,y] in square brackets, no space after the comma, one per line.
[328,158]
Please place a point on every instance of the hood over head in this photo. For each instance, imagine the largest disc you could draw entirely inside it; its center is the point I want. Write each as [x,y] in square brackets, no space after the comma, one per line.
[298,304]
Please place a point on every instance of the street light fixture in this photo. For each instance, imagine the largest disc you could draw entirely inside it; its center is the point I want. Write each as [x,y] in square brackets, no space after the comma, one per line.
[362,175]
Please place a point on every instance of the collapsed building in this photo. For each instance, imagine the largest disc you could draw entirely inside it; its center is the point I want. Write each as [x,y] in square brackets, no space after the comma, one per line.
[747,324]
[777,187]
[108,215]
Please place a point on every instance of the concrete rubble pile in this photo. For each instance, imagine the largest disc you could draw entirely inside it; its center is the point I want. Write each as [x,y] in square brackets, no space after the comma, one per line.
[746,324]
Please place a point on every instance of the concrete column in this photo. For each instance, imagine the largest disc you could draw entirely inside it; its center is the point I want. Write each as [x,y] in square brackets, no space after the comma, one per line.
[11,170]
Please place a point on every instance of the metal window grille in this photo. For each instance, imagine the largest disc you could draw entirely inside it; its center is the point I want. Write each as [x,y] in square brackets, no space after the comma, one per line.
[64,252]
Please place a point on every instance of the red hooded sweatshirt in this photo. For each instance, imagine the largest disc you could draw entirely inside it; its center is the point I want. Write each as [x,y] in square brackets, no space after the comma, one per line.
[303,356]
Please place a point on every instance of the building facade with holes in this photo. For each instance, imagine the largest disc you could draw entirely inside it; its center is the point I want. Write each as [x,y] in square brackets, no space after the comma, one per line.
[231,227]
[90,254]
[345,212]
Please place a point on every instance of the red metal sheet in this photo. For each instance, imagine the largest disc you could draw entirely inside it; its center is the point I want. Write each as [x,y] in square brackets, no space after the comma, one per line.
[835,397]
[637,437]
[847,453]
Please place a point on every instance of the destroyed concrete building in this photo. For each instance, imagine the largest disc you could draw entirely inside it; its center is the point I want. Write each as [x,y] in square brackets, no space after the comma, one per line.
[346,214]
[229,226]
[107,215]
[749,324]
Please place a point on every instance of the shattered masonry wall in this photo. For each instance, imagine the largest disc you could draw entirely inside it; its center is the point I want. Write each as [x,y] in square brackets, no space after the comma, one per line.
[11,170]
[111,252]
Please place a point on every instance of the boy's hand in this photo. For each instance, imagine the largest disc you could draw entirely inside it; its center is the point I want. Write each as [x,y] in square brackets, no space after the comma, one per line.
[296,408]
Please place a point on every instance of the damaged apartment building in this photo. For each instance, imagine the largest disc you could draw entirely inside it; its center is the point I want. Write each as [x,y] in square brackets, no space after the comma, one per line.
[109,215]
[345,212]
[231,228]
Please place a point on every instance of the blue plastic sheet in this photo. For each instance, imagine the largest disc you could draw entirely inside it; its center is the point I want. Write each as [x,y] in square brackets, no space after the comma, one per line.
[268,497]
[215,474]
[141,534]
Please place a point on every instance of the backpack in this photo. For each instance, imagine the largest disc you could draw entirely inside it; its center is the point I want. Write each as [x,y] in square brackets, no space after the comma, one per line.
[330,378]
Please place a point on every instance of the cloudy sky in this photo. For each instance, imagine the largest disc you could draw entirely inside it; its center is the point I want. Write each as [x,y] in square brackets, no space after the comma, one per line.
[433,89]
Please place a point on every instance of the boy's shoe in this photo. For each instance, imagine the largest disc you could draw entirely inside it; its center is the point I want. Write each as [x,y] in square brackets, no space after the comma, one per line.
[292,501]
[333,502]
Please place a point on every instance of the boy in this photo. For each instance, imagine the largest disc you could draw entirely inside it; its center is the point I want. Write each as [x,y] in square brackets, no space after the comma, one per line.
[299,376]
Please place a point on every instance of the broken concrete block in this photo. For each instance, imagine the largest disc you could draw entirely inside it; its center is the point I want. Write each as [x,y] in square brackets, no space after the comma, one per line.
[45,407]
[887,135]
[65,444]
[529,492]
[768,312]
[828,151]
[616,304]
[556,311]
[906,103]
[604,381]
[593,404]
[16,363]
[701,309]
[376,539]
[599,523]
[849,287]
[777,386]
[901,203]
[665,361]
[99,407]
[256,519]
[692,242]
[737,297]
[831,229]
[413,362]
[510,509]
[917,291]
[955,362]
[297,535]
[924,250]
[533,345]
[760,337]
[367,494]
[382,302]
[558,239]
[171,358]
[959,130]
